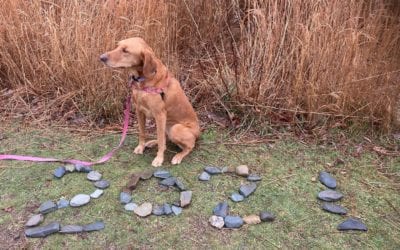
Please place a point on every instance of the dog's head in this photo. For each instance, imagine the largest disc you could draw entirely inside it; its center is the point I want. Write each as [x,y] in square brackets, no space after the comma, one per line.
[132,53]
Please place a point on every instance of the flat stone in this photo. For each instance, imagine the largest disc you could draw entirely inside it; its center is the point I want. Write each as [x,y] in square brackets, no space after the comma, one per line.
[158,210]
[179,184]
[247,189]
[217,221]
[236,197]
[96,226]
[70,168]
[82,168]
[133,181]
[213,170]
[185,198]
[143,210]
[161,173]
[242,170]
[93,176]
[62,203]
[326,179]
[233,221]
[167,209]
[130,206]
[97,193]
[40,232]
[352,224]
[254,177]
[59,172]
[169,182]
[79,200]
[176,210]
[102,184]
[204,176]
[125,198]
[71,229]
[330,195]
[34,220]
[267,216]
[333,208]
[252,219]
[47,207]
[222,209]
[146,175]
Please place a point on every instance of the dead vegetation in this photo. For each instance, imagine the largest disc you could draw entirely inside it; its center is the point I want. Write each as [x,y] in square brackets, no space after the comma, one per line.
[293,62]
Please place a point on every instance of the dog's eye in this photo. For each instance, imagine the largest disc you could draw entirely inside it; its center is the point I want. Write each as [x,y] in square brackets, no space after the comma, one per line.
[124,50]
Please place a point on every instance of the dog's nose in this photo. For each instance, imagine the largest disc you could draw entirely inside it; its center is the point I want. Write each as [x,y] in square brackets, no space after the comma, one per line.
[103,58]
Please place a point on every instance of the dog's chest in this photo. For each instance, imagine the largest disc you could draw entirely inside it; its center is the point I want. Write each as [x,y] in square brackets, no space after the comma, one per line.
[143,102]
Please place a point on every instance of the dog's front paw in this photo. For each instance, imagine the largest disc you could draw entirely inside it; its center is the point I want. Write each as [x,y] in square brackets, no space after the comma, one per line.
[139,150]
[157,162]
[177,159]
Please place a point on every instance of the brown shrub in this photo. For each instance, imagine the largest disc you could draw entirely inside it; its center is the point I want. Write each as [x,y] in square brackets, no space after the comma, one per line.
[293,61]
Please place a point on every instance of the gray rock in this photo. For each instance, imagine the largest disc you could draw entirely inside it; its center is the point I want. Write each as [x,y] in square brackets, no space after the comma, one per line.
[93,176]
[82,168]
[254,177]
[34,220]
[233,221]
[213,170]
[96,226]
[97,193]
[167,209]
[130,206]
[158,210]
[204,176]
[176,210]
[169,182]
[40,232]
[79,200]
[222,209]
[62,203]
[161,173]
[247,189]
[333,208]
[59,172]
[71,229]
[125,198]
[330,195]
[144,210]
[267,216]
[179,184]
[102,184]
[70,168]
[352,224]
[47,207]
[326,179]
[185,198]
[217,221]
[237,197]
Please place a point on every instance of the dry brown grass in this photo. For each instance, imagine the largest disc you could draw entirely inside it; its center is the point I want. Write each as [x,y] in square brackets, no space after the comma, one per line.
[286,62]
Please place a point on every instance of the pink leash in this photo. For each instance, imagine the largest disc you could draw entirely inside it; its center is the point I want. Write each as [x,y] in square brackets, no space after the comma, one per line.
[105,158]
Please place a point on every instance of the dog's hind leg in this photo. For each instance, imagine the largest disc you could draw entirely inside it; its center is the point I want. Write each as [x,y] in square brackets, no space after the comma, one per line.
[184,138]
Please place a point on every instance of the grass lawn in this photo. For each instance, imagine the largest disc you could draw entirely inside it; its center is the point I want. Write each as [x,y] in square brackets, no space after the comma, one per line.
[289,169]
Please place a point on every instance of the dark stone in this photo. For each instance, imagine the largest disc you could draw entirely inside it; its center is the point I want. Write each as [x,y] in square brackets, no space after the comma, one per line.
[330,195]
[96,226]
[125,198]
[213,170]
[102,184]
[167,209]
[247,189]
[336,209]
[204,176]
[179,184]
[62,203]
[326,179]
[39,232]
[237,197]
[163,174]
[233,221]
[352,224]
[169,182]
[82,168]
[59,172]
[222,209]
[254,177]
[71,229]
[176,210]
[47,207]
[267,216]
[133,181]
[158,210]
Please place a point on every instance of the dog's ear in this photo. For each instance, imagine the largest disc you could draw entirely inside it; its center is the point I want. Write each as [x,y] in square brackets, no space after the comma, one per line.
[149,64]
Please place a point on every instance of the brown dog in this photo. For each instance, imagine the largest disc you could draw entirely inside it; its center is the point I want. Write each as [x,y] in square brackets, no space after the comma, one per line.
[156,94]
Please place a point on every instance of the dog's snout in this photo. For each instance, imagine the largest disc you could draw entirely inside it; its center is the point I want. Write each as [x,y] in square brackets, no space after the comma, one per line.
[103,58]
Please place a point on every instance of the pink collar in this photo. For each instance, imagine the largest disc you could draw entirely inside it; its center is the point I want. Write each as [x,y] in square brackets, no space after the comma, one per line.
[134,83]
